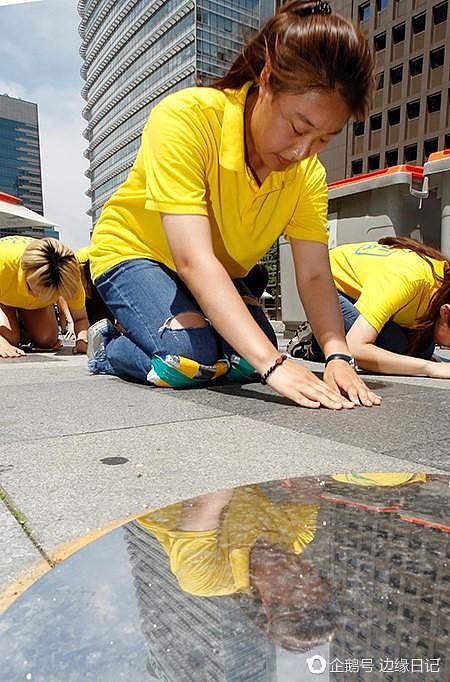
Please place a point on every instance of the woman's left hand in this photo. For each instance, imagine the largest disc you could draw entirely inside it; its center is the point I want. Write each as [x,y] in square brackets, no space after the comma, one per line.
[343,378]
[80,347]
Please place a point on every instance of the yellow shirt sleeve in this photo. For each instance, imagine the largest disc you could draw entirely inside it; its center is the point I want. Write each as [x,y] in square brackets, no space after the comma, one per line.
[200,564]
[309,221]
[175,160]
[383,295]
[78,301]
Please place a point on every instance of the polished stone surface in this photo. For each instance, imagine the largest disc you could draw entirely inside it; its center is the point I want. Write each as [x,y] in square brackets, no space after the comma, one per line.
[261,583]
[59,426]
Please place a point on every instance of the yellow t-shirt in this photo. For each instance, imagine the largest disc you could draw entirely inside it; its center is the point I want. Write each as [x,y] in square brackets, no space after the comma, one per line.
[387,284]
[13,287]
[384,479]
[192,161]
[82,255]
[217,562]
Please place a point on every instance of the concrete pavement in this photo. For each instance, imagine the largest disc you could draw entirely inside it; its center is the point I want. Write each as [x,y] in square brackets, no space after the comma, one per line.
[80,453]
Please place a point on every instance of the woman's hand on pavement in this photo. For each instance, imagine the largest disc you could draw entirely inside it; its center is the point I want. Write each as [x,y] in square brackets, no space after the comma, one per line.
[292,380]
[438,370]
[7,350]
[80,347]
[341,376]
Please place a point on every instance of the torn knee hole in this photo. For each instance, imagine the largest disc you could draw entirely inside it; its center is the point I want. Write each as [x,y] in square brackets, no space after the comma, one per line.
[185,320]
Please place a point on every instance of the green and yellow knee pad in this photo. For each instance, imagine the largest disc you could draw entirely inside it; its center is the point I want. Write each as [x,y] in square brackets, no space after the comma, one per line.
[175,371]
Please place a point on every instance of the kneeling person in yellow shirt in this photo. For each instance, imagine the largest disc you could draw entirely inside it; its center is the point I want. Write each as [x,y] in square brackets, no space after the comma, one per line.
[34,274]
[395,301]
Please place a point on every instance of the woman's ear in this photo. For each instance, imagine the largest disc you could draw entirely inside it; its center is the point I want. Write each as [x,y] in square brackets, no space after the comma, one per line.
[264,86]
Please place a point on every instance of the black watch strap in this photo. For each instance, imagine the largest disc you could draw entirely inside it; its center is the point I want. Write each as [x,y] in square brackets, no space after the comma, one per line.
[342,356]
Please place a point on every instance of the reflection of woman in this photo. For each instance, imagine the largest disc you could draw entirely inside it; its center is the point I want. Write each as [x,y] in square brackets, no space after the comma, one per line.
[240,542]
[395,300]
[222,172]
[34,274]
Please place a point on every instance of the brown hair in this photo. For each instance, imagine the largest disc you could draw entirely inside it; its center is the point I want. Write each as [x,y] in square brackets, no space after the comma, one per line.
[51,269]
[424,330]
[308,48]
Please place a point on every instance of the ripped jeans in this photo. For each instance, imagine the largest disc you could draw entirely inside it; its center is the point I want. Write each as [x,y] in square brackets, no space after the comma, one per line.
[144,295]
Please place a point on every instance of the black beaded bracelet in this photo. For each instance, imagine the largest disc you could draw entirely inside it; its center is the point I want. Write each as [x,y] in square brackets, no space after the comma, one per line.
[279,361]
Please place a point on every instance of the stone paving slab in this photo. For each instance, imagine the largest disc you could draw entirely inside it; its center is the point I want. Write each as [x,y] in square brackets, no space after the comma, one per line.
[64,489]
[57,423]
[92,405]
[18,553]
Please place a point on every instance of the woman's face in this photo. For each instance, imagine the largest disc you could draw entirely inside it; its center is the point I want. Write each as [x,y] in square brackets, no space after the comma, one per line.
[287,128]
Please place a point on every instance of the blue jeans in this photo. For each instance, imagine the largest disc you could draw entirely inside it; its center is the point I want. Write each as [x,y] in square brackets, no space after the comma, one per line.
[392,337]
[143,295]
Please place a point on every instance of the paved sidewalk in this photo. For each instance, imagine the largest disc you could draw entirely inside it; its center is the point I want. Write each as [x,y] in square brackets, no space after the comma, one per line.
[80,453]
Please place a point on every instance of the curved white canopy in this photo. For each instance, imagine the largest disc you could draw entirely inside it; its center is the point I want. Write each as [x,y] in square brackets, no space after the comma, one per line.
[15,215]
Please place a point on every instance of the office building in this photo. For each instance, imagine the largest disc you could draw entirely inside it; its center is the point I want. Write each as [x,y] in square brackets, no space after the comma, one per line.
[137,52]
[410,115]
[20,164]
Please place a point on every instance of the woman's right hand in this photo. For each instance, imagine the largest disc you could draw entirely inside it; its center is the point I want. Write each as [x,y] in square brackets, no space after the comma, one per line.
[9,351]
[438,370]
[292,380]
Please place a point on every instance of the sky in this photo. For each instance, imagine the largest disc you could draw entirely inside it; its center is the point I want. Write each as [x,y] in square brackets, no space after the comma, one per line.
[40,62]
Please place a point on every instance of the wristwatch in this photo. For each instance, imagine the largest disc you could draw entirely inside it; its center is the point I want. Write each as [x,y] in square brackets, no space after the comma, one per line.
[342,356]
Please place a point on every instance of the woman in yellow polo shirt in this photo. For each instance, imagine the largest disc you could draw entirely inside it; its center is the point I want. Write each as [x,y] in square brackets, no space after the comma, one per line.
[395,300]
[221,173]
[34,273]
[240,542]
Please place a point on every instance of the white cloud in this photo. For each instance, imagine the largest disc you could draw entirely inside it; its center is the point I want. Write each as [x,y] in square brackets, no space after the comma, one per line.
[40,63]
[3,3]
[62,160]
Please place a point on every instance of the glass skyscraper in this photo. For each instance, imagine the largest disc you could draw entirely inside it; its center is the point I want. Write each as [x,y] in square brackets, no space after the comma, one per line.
[20,164]
[137,52]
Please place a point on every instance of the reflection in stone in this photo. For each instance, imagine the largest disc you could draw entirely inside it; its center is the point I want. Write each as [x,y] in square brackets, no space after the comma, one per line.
[237,585]
[296,553]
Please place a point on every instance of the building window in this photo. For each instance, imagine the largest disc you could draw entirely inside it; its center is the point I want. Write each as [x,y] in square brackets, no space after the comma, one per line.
[416,66]
[396,74]
[394,116]
[381,5]
[418,23]
[437,58]
[392,158]
[410,153]
[357,167]
[430,146]
[440,13]
[398,34]
[380,81]
[375,122]
[373,162]
[447,142]
[434,102]
[364,11]
[379,42]
[413,109]
[358,128]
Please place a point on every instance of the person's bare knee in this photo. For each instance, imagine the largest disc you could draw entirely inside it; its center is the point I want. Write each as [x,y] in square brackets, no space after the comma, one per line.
[45,339]
[9,325]
[189,319]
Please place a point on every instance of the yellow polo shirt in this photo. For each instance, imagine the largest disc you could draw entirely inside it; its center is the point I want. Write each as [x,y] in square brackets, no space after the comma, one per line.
[217,562]
[387,284]
[82,255]
[192,161]
[13,287]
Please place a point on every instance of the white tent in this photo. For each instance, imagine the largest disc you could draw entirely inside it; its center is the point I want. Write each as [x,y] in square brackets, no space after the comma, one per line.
[17,216]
